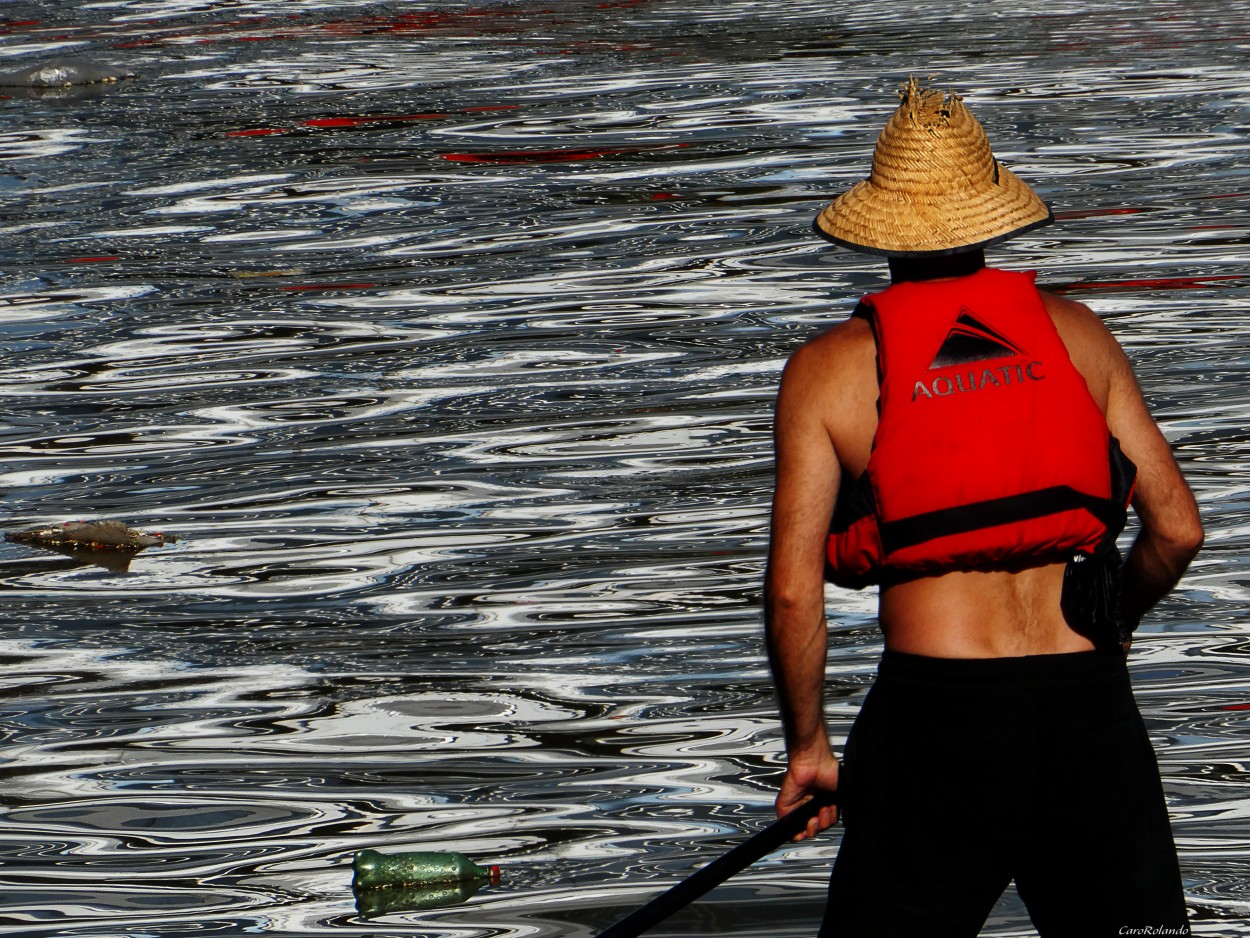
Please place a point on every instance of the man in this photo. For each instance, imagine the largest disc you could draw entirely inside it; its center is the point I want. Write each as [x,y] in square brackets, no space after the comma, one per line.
[961,428]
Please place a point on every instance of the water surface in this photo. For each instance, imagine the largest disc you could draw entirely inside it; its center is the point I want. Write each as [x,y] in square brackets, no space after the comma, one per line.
[444,337]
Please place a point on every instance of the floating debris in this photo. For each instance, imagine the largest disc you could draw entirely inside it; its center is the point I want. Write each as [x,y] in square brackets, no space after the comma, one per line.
[404,882]
[61,80]
[372,869]
[108,544]
[62,73]
[281,272]
[100,535]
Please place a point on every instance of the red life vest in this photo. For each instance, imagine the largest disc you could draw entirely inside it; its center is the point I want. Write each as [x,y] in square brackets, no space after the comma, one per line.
[989,448]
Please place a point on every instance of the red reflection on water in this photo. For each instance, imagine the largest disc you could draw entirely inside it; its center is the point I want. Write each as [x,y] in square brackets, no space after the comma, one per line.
[380,119]
[1095,212]
[328,286]
[548,156]
[1158,283]
[330,123]
[531,156]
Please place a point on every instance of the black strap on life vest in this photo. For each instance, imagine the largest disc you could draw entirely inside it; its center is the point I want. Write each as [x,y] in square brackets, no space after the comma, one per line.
[857,502]
[908,532]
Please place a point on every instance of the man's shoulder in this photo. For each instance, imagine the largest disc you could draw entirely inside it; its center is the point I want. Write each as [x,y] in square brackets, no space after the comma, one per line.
[1071,315]
[1094,351]
[1079,326]
[834,373]
[841,346]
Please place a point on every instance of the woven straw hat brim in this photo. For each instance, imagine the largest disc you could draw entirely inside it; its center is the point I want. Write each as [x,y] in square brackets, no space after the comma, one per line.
[872,220]
[935,187]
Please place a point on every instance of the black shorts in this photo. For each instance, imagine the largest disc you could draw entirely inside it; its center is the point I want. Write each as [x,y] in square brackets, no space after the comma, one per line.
[961,775]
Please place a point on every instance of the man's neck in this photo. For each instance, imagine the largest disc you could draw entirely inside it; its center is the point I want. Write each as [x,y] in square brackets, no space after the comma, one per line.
[911,269]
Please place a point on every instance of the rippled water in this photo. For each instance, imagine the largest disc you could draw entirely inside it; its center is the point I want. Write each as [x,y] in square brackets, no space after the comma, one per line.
[444,337]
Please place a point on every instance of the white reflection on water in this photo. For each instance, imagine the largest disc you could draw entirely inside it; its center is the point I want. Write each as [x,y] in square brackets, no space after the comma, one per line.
[446,340]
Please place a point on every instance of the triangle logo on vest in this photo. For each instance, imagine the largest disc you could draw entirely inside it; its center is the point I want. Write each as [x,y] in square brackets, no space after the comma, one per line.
[971,340]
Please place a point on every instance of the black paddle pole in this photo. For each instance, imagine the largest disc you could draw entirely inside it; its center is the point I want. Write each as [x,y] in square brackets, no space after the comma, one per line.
[719,870]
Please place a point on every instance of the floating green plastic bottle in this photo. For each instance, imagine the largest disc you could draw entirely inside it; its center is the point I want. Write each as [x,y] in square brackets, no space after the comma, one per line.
[373,870]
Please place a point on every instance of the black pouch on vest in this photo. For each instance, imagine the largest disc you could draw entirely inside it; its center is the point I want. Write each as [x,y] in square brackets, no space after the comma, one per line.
[1092,582]
[1091,598]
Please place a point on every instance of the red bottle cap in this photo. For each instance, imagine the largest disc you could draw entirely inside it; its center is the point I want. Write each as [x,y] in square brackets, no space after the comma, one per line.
[494,875]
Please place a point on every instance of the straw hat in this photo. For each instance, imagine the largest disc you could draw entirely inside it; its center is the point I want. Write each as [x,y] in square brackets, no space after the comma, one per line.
[935,187]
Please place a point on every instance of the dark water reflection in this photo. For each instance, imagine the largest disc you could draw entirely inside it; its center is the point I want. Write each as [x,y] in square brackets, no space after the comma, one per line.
[444,338]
